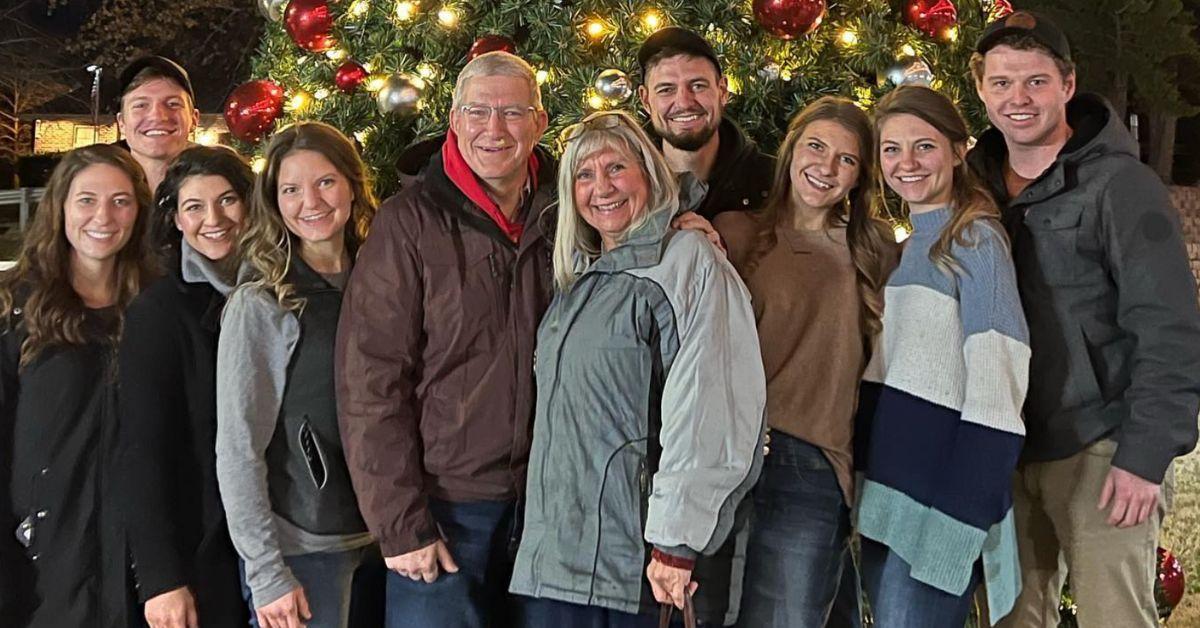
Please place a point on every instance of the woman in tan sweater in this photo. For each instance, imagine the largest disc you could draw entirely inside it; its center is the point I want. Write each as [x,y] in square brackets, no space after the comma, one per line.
[815,259]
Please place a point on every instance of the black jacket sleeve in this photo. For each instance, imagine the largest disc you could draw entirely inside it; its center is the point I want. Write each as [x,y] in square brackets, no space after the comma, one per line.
[1156,305]
[150,409]
[10,550]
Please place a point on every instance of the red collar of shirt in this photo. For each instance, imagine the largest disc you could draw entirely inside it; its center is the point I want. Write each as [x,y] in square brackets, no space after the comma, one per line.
[465,180]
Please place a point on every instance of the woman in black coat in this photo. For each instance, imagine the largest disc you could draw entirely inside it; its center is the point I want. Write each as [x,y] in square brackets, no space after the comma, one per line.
[184,565]
[83,259]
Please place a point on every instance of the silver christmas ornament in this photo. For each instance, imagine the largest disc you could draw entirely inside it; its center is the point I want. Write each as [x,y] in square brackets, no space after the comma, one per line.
[272,9]
[613,85]
[906,71]
[401,94]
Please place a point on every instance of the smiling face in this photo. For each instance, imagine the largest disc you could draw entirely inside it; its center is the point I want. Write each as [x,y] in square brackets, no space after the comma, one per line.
[314,198]
[496,149]
[685,97]
[210,215]
[156,119]
[826,164]
[99,213]
[1026,96]
[917,161]
[611,191]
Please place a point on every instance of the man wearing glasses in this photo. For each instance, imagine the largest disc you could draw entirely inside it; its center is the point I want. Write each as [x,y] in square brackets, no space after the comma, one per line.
[435,353]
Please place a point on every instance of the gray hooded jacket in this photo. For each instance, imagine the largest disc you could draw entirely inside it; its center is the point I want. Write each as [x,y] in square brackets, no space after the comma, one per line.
[649,424]
[1111,303]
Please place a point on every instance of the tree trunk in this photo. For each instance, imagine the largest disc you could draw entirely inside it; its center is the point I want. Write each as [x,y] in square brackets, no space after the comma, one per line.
[1160,145]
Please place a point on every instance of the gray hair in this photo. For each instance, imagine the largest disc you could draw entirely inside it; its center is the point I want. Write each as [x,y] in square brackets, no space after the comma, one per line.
[574,239]
[498,63]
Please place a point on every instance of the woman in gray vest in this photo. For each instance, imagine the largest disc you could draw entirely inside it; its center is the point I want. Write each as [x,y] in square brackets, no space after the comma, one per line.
[650,400]
[292,512]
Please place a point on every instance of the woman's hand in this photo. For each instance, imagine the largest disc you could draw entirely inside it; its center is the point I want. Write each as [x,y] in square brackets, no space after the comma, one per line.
[670,583]
[691,221]
[289,611]
[174,609]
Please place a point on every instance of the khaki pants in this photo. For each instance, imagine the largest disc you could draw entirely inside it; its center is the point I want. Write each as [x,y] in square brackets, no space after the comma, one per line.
[1059,530]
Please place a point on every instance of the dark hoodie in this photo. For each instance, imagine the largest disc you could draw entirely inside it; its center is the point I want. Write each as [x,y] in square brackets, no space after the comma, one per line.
[1110,300]
[741,176]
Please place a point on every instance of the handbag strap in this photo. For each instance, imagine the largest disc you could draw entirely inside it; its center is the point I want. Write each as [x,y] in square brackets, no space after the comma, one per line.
[689,613]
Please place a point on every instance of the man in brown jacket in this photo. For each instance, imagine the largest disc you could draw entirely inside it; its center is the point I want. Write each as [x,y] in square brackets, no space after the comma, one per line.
[435,353]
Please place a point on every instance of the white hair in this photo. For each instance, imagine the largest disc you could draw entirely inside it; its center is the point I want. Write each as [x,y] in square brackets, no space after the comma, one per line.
[573,237]
[498,63]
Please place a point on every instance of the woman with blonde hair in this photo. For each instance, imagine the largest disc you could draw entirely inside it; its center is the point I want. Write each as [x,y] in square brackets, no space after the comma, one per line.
[649,414]
[941,398]
[815,259]
[292,512]
[84,258]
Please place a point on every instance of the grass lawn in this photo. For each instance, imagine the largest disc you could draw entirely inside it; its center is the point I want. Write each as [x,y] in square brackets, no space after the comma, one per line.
[1181,535]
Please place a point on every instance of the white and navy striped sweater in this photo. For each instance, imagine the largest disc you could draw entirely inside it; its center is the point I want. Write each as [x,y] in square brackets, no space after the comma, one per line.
[939,420]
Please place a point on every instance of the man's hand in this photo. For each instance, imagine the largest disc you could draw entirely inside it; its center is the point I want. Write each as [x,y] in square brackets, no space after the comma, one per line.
[695,222]
[289,611]
[669,583]
[1132,498]
[423,564]
[174,609]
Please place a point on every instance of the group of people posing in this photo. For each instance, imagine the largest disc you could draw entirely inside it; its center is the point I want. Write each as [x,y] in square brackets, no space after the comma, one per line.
[662,371]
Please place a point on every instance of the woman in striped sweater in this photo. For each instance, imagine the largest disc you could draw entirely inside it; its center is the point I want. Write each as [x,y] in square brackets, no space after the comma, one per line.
[941,400]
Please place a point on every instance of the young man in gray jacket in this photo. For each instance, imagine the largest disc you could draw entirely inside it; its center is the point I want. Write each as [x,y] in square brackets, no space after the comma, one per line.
[1114,329]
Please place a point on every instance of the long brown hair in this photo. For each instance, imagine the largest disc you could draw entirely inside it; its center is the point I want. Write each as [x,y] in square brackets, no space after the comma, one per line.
[266,245]
[970,199]
[54,314]
[869,237]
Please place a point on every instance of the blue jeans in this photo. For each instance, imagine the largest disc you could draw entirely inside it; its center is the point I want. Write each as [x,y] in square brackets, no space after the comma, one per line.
[899,601]
[479,536]
[798,558]
[328,579]
[543,613]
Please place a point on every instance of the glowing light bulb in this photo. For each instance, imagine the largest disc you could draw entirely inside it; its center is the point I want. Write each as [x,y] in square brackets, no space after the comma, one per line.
[358,8]
[336,54]
[258,164]
[447,17]
[321,94]
[542,76]
[375,83]
[951,33]
[406,10]
[207,137]
[595,29]
[299,101]
[652,20]
[901,233]
[848,37]
[595,101]
[908,51]
[735,86]
[361,135]
[426,70]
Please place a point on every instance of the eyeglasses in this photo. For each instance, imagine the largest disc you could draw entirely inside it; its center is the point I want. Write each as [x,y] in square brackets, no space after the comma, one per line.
[480,114]
[598,121]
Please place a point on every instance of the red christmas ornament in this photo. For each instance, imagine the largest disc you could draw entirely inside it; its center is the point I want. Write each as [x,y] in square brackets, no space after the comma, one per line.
[252,108]
[932,17]
[1169,586]
[309,24]
[491,43]
[1000,10]
[789,19]
[349,76]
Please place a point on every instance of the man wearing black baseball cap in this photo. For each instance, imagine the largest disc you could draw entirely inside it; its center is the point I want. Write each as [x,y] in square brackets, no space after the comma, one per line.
[685,93]
[1114,382]
[157,113]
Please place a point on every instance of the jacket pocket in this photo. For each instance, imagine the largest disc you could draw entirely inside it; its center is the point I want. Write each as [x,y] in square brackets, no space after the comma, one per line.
[1056,237]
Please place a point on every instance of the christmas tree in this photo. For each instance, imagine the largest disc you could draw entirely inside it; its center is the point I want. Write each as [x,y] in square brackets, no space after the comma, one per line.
[383,70]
